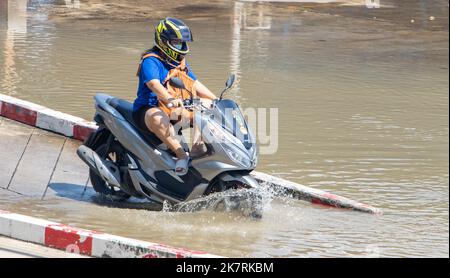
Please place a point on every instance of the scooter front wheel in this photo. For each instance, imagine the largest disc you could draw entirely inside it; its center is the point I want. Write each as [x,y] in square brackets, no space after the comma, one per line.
[239,193]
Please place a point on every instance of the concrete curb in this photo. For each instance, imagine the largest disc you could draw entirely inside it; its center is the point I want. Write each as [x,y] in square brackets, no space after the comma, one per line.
[45,118]
[86,242]
[77,128]
[312,195]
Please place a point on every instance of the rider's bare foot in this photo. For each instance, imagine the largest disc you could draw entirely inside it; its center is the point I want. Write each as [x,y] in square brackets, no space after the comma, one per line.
[182,164]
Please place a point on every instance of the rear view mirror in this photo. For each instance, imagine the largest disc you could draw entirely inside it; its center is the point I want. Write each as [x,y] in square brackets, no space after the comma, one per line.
[230,81]
[228,85]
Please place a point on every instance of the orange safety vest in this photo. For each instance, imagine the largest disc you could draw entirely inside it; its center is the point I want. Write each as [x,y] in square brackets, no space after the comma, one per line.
[180,71]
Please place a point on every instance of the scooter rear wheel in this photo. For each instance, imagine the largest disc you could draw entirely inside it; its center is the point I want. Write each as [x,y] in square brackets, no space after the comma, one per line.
[114,154]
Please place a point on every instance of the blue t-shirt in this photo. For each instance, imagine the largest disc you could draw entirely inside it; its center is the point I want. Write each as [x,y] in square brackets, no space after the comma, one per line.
[152,68]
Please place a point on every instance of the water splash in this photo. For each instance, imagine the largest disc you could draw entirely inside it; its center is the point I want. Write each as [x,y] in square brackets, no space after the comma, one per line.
[167,206]
[248,202]
[240,202]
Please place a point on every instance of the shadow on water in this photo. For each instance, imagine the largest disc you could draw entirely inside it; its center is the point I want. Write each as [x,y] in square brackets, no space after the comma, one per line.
[87,194]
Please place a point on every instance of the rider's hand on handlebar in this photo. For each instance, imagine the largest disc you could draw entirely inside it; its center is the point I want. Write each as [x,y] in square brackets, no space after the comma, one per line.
[175,103]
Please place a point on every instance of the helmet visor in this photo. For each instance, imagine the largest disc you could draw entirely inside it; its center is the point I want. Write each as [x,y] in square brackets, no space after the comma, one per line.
[178,45]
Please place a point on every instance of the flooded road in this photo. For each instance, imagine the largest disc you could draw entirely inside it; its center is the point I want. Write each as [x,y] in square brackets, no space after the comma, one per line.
[362,98]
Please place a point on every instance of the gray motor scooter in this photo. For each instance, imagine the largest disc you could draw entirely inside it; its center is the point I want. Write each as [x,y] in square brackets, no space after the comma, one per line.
[125,160]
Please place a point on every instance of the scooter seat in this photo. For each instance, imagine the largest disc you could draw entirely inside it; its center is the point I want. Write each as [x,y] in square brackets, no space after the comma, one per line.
[125,108]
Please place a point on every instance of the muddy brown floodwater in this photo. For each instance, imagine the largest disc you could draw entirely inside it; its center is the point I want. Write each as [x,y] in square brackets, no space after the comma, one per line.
[362,99]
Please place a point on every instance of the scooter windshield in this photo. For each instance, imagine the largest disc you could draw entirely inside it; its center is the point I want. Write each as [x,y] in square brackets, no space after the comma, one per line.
[228,114]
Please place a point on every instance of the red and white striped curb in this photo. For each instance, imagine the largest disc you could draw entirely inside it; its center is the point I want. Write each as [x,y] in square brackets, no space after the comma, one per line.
[45,118]
[77,128]
[312,195]
[86,242]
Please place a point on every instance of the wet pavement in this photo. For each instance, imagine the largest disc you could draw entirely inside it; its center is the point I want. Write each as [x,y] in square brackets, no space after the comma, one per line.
[37,163]
[42,165]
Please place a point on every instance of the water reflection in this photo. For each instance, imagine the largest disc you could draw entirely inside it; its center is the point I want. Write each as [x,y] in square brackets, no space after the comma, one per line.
[13,19]
[246,16]
[25,43]
[71,4]
[13,15]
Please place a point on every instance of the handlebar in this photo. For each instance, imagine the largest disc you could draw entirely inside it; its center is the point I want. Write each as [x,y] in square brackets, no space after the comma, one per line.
[187,103]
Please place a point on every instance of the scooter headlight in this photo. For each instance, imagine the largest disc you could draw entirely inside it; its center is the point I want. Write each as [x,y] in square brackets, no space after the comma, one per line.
[221,136]
[236,156]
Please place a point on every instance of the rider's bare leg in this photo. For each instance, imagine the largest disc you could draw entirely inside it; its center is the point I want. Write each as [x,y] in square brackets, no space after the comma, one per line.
[159,123]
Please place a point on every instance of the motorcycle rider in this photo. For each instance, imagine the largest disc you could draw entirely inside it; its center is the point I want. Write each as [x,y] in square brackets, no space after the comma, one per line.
[151,107]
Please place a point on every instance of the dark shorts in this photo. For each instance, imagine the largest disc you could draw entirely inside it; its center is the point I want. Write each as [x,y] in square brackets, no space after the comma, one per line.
[139,116]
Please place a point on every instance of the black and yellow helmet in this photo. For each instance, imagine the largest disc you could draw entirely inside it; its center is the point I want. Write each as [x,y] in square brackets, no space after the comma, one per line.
[171,37]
